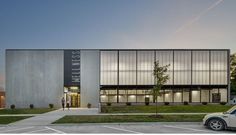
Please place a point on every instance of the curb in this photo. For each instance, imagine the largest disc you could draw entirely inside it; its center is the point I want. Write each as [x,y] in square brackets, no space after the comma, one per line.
[127,123]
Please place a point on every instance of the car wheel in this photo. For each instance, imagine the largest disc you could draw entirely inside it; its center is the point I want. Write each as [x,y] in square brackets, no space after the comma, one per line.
[216,124]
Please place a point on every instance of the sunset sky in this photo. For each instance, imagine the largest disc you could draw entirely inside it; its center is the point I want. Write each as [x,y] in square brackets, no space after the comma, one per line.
[85,24]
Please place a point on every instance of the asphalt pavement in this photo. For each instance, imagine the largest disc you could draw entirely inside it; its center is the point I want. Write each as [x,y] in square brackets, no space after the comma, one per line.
[126,128]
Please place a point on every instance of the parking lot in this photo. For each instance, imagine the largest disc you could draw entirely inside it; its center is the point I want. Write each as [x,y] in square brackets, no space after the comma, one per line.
[129,128]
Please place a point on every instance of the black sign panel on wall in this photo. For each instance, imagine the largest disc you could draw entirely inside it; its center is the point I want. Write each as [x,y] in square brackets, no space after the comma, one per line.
[71,67]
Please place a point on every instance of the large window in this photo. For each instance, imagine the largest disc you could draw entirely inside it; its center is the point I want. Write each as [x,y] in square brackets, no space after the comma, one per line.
[168,96]
[177,95]
[200,67]
[166,58]
[196,96]
[205,95]
[145,67]
[108,95]
[109,67]
[182,67]
[219,67]
[127,68]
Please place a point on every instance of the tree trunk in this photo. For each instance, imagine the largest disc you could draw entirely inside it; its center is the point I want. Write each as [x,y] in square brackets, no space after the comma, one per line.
[156,106]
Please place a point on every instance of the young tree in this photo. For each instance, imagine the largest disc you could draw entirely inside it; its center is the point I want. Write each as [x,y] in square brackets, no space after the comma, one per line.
[160,78]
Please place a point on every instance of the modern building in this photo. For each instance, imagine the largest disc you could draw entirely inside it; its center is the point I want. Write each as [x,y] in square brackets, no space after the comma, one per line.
[44,76]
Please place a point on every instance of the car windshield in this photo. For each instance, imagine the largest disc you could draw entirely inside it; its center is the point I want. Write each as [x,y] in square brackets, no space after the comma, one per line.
[231,109]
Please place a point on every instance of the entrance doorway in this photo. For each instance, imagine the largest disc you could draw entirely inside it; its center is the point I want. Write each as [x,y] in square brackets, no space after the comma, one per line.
[72,95]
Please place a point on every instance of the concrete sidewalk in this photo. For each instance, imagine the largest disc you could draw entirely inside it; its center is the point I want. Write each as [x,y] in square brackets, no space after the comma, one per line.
[48,118]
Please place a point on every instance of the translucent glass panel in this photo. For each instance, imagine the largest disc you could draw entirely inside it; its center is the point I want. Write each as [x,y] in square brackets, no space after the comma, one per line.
[108,95]
[132,92]
[127,67]
[145,62]
[182,67]
[160,98]
[219,67]
[132,98]
[223,95]
[185,96]
[205,95]
[208,67]
[195,96]
[123,95]
[140,98]
[178,96]
[104,98]
[112,98]
[168,96]
[166,58]
[200,67]
[109,67]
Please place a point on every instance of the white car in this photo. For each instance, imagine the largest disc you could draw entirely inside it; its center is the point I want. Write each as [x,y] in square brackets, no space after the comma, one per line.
[221,121]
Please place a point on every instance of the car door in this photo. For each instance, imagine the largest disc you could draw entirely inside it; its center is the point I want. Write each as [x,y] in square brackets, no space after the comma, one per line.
[232,119]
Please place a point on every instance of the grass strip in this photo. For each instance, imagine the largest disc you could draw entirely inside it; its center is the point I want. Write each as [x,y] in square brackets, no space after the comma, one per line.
[166,109]
[25,111]
[10,119]
[127,118]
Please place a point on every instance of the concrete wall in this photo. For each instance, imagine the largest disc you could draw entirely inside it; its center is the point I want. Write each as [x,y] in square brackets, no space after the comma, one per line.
[34,77]
[89,77]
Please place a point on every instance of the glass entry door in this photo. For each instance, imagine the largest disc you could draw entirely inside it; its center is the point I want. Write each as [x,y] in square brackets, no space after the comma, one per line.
[73,99]
[72,96]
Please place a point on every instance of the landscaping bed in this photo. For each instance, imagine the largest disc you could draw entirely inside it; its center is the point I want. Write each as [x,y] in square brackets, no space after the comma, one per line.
[165,109]
[26,111]
[10,119]
[128,118]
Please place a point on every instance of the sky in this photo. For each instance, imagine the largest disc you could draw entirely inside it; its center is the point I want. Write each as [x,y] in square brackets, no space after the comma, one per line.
[108,24]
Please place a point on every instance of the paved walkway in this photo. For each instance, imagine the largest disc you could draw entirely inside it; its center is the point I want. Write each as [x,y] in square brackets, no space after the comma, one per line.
[48,118]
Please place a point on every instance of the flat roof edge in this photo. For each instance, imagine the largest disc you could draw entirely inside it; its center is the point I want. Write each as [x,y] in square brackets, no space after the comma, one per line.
[119,49]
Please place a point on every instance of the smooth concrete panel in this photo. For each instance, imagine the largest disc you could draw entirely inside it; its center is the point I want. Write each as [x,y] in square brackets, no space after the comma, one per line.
[89,77]
[34,77]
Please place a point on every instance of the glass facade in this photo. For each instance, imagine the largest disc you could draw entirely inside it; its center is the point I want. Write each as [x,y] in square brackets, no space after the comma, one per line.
[145,62]
[219,67]
[109,68]
[127,68]
[200,67]
[166,58]
[194,75]
[182,67]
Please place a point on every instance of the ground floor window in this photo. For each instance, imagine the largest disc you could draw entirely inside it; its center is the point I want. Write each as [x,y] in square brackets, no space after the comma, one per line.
[195,95]
[168,95]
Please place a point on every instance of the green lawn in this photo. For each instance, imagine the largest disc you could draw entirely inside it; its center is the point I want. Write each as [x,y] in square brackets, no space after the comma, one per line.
[10,119]
[128,118]
[166,109]
[25,111]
